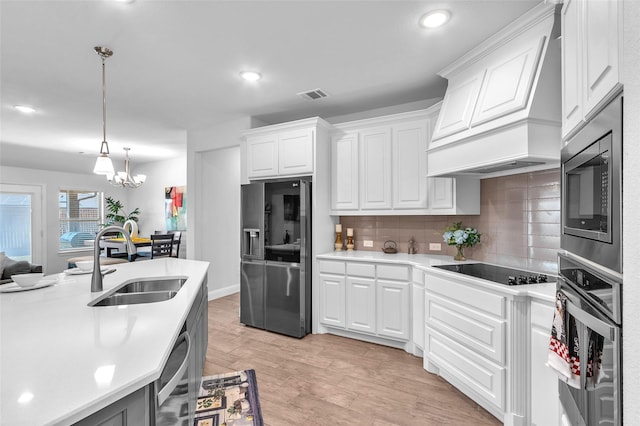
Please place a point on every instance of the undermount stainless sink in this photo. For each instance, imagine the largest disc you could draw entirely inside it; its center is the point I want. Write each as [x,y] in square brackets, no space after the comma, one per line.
[117,299]
[152,285]
[147,290]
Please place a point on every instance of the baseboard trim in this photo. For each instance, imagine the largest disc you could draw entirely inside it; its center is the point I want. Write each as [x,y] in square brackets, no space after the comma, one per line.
[222,292]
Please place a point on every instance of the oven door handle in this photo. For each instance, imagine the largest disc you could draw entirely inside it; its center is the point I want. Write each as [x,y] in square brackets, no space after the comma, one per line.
[590,321]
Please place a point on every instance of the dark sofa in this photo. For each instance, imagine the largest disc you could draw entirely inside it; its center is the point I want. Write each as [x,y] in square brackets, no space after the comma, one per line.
[15,267]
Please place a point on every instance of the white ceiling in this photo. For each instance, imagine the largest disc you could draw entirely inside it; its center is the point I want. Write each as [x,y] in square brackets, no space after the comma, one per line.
[176,67]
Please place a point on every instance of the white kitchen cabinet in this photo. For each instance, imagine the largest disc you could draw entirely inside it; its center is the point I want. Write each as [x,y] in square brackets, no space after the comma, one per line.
[466,338]
[591,59]
[409,165]
[544,382]
[441,193]
[281,154]
[283,150]
[295,152]
[262,156]
[393,303]
[344,162]
[417,303]
[375,168]
[361,304]
[379,167]
[366,300]
[459,195]
[393,309]
[332,293]
[572,110]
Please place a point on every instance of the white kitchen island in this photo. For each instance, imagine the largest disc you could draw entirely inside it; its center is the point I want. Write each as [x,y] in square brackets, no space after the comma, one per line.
[62,360]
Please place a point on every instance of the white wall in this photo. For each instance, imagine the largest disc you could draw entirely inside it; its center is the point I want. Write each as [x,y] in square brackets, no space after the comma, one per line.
[214,185]
[631,218]
[51,182]
[150,196]
[220,224]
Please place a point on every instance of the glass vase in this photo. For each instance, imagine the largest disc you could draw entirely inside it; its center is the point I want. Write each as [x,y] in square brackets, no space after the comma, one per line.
[459,255]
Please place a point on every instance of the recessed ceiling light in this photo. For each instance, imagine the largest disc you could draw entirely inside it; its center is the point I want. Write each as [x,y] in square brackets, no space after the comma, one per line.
[435,18]
[251,75]
[24,108]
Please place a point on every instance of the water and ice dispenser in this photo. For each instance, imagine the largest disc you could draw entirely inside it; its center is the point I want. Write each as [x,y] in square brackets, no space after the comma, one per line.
[251,247]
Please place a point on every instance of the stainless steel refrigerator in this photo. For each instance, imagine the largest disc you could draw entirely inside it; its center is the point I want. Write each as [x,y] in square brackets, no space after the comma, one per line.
[275,283]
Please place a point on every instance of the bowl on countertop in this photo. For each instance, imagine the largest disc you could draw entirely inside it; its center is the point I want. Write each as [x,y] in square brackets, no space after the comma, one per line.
[27,280]
[85,265]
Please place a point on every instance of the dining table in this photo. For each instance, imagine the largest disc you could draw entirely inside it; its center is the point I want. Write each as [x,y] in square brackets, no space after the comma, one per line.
[120,244]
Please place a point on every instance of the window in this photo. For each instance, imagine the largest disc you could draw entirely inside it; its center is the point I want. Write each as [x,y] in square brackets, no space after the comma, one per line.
[80,215]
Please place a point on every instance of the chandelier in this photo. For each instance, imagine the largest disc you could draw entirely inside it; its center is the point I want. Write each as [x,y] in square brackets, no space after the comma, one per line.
[124,179]
[104,165]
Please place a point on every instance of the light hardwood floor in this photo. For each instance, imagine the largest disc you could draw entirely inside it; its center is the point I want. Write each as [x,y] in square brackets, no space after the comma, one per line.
[330,380]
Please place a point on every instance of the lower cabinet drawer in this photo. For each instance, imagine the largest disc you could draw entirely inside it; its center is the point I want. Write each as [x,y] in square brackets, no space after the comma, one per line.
[480,333]
[331,267]
[358,269]
[480,299]
[542,313]
[468,369]
[393,272]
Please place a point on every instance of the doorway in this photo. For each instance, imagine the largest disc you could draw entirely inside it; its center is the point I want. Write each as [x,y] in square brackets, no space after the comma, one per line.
[21,232]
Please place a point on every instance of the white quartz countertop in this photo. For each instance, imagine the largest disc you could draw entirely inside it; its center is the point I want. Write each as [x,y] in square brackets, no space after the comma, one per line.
[545,291]
[61,360]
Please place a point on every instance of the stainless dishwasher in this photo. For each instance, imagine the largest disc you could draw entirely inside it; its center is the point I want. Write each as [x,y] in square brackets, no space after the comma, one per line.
[174,396]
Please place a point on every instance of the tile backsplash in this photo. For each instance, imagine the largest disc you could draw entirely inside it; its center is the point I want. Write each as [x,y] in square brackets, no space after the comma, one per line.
[519,221]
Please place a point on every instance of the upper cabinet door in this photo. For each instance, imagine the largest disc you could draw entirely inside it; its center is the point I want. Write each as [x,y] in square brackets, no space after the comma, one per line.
[262,156]
[602,44]
[441,194]
[571,67]
[295,152]
[591,59]
[410,165]
[375,168]
[458,105]
[508,82]
[344,176]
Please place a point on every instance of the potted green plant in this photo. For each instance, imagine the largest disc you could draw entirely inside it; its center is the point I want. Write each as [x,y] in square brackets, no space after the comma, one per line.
[117,215]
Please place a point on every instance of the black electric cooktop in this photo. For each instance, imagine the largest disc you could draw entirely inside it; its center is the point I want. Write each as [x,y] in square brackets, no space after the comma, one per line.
[497,274]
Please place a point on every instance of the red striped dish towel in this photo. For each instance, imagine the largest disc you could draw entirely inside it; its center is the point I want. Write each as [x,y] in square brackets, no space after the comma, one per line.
[564,345]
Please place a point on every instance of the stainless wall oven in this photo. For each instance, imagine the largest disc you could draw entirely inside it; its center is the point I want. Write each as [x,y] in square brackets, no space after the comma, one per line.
[592,189]
[593,307]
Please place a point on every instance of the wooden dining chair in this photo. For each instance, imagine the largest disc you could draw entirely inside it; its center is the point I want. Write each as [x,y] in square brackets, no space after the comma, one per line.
[161,245]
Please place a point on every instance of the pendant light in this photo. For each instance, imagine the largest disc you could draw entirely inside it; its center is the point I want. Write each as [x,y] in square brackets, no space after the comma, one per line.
[104,166]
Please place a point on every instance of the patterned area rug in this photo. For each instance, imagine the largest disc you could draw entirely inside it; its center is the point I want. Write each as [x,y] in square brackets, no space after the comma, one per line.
[229,399]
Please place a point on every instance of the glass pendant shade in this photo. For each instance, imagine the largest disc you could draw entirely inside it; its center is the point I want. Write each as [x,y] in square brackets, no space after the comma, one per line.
[104,166]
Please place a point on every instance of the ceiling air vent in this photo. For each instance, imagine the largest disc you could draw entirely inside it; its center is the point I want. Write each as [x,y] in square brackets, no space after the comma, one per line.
[312,95]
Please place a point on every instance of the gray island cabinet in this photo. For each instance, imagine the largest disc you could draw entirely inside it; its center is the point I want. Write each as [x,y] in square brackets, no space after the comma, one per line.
[109,358]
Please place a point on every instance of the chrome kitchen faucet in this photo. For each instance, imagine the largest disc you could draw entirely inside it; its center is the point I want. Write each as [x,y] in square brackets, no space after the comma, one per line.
[96,275]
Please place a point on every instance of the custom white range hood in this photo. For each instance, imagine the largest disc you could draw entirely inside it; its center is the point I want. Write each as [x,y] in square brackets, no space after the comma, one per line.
[501,113]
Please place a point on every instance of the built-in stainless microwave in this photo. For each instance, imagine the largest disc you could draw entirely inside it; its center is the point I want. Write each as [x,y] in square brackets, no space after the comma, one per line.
[592,189]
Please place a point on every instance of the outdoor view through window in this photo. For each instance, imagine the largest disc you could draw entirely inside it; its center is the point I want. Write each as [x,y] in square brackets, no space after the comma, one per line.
[80,215]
